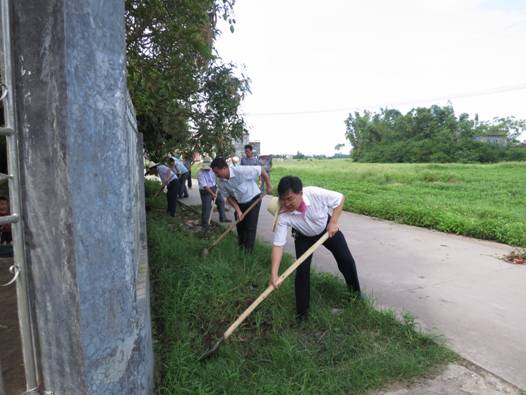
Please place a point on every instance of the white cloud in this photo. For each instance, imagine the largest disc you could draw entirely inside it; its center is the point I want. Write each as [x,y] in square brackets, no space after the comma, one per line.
[308,55]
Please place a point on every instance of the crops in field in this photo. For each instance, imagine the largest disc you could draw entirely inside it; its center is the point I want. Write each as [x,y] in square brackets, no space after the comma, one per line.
[482,201]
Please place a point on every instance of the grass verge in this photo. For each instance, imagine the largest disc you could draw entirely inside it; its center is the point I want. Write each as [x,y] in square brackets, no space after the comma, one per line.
[195,299]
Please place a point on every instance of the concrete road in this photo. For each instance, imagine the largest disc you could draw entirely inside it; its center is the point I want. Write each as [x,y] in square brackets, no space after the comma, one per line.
[453,285]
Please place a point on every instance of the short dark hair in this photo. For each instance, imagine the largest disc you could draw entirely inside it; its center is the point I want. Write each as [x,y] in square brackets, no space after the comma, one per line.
[4,199]
[220,163]
[289,183]
[249,146]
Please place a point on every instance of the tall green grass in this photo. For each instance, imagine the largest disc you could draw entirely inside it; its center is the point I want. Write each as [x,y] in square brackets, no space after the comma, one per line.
[195,299]
[482,201]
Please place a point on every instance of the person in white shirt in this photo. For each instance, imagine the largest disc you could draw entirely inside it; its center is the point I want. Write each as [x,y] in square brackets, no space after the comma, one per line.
[239,186]
[308,212]
[168,179]
[209,193]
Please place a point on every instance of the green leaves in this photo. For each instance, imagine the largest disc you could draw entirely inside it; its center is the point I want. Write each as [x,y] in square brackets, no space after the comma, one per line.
[185,97]
[433,134]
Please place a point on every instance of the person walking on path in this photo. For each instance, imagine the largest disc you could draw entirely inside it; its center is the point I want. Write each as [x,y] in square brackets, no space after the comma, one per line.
[169,180]
[188,164]
[182,174]
[308,212]
[208,192]
[249,159]
[239,186]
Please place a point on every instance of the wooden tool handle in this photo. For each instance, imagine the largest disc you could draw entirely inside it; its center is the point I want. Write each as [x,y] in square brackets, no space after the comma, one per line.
[212,210]
[270,288]
[231,227]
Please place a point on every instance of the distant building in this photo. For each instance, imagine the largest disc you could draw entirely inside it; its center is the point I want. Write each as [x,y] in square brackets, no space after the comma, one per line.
[256,145]
[239,145]
[497,139]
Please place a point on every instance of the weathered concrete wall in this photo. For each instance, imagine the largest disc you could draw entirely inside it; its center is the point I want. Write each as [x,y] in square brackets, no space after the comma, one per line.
[83,197]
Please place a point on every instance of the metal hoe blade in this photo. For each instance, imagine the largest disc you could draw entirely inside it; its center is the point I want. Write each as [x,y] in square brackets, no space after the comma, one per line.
[212,351]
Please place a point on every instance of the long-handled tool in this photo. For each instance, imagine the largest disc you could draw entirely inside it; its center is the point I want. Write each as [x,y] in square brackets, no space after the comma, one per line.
[263,296]
[206,251]
[211,210]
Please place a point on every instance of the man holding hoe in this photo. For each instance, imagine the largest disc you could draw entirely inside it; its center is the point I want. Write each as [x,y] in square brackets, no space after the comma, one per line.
[239,186]
[308,212]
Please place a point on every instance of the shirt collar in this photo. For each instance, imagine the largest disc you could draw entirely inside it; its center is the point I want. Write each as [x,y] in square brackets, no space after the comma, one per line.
[305,204]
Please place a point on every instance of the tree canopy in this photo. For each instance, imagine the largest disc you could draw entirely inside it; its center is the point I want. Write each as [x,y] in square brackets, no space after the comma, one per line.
[433,134]
[186,98]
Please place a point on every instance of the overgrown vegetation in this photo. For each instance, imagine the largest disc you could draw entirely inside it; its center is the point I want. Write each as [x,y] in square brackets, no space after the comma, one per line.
[482,201]
[433,134]
[185,96]
[195,299]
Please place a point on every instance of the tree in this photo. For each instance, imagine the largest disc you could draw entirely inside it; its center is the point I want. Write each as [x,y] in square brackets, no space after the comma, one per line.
[298,155]
[429,134]
[185,97]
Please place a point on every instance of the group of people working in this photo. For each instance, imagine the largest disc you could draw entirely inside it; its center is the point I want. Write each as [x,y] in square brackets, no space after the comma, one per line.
[310,212]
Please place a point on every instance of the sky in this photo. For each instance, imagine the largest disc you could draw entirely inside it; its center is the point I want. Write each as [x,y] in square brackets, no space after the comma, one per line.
[311,63]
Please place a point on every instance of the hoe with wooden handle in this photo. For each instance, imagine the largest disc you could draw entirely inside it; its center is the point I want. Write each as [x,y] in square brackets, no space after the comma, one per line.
[206,251]
[263,296]
[211,210]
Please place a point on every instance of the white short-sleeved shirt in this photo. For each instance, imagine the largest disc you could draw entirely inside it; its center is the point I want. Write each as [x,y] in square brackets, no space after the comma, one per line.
[242,184]
[319,204]
[166,175]
[206,178]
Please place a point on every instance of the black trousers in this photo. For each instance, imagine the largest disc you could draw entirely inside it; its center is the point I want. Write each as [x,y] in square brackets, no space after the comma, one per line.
[171,197]
[339,249]
[246,229]
[206,206]
[6,237]
[182,192]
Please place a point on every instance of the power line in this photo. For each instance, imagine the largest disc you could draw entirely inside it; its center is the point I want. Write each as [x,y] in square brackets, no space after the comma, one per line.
[484,92]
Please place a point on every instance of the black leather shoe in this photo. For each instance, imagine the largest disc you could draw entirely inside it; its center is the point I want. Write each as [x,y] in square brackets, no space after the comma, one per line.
[301,318]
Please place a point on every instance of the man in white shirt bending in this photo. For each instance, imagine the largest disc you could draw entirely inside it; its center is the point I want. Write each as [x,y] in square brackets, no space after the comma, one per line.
[169,180]
[308,212]
[239,186]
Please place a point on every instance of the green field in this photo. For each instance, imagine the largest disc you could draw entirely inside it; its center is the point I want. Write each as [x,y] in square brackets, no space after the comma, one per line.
[353,351]
[482,201]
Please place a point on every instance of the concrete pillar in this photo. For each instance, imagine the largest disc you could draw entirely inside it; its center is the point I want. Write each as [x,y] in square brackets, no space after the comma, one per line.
[82,198]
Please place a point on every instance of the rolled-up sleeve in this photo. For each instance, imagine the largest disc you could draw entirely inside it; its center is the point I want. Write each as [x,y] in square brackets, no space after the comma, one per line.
[280,235]
[332,198]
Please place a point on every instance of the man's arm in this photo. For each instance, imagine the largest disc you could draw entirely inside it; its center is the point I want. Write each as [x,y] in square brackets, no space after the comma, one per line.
[233,203]
[332,226]
[266,179]
[277,254]
[207,188]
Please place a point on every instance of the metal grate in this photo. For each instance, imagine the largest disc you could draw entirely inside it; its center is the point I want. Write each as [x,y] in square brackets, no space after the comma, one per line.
[9,132]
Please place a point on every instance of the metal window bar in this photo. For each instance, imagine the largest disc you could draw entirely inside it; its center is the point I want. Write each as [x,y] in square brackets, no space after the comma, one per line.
[6,131]
[9,219]
[10,132]
[4,177]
